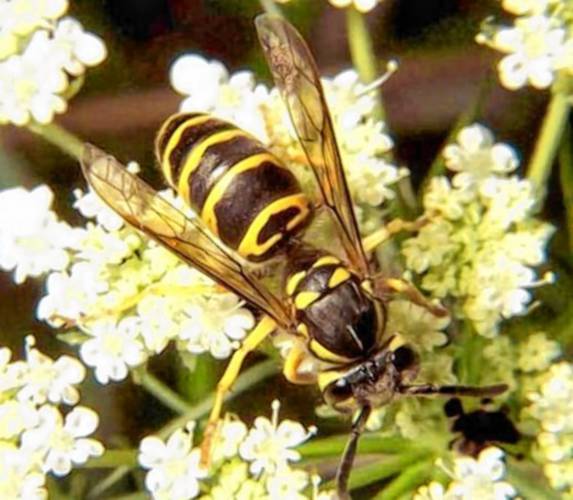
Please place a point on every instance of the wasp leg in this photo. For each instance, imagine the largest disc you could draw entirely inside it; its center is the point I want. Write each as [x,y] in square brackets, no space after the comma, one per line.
[345,466]
[296,356]
[263,329]
[393,227]
[385,286]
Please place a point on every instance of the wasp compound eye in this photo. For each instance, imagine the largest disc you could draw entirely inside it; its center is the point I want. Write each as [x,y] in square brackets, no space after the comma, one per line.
[338,391]
[404,358]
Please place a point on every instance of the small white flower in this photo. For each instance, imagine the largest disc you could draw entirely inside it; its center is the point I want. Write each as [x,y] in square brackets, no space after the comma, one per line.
[268,444]
[430,247]
[209,87]
[48,380]
[537,352]
[521,7]
[215,324]
[433,491]
[71,295]
[552,401]
[77,48]
[476,156]
[32,240]
[31,83]
[16,417]
[287,484]
[90,205]
[416,325]
[360,5]
[63,442]
[174,468]
[100,247]
[113,348]
[19,18]
[481,478]
[21,477]
[194,76]
[229,437]
[533,45]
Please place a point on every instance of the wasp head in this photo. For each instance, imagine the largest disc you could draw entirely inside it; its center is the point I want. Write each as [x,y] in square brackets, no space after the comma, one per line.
[373,382]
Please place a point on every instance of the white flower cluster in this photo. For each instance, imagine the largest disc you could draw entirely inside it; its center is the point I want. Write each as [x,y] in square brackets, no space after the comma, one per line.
[131,297]
[32,239]
[481,241]
[108,279]
[41,53]
[35,437]
[247,463]
[472,479]
[551,408]
[363,142]
[537,46]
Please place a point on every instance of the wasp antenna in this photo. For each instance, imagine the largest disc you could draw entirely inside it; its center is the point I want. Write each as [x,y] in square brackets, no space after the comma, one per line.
[391,67]
[453,390]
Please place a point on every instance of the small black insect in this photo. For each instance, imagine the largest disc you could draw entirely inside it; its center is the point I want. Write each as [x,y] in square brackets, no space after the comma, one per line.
[480,428]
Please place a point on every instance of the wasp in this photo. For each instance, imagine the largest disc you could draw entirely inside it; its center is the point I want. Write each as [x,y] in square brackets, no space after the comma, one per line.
[251,209]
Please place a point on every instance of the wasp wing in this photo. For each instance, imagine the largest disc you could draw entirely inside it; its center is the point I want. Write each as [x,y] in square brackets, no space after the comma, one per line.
[142,207]
[296,75]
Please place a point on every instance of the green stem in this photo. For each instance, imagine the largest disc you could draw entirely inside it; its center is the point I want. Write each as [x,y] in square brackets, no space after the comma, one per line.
[369,443]
[530,482]
[549,137]
[408,480]
[108,481]
[60,137]
[163,393]
[467,117]
[245,381]
[112,458]
[469,355]
[566,178]
[381,469]
[362,52]
[270,7]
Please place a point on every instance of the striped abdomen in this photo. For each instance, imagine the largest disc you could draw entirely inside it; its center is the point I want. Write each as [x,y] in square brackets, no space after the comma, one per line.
[340,320]
[241,190]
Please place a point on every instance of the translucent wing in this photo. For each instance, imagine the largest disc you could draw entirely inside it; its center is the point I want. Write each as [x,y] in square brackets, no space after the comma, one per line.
[297,78]
[141,206]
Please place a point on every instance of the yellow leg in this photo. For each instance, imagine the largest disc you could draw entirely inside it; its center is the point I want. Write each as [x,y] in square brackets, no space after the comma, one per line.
[395,226]
[396,285]
[263,329]
[294,359]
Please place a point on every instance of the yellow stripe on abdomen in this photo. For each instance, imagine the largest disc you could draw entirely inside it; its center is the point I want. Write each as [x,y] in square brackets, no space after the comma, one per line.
[218,190]
[174,141]
[196,155]
[250,245]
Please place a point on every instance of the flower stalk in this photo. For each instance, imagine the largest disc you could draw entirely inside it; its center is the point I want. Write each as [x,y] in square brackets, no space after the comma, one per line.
[566,178]
[163,393]
[362,52]
[409,479]
[383,468]
[59,137]
[549,137]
